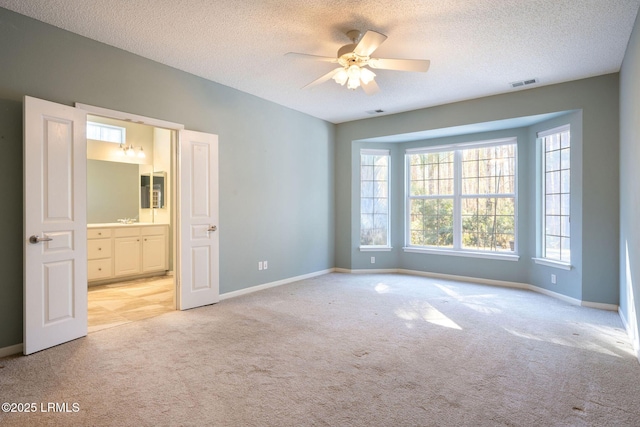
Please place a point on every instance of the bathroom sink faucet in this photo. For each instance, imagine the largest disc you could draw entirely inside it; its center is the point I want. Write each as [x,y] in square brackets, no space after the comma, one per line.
[126,220]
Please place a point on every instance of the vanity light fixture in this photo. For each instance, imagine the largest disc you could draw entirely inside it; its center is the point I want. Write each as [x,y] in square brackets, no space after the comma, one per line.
[130,151]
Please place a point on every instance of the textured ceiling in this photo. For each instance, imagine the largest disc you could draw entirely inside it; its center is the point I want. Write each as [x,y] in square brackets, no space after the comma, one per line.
[476,47]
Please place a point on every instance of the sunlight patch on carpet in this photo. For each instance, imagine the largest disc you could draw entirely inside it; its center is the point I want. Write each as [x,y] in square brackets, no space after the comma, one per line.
[425,311]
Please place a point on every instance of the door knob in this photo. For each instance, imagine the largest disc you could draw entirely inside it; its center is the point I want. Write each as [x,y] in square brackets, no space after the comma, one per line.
[212,228]
[37,239]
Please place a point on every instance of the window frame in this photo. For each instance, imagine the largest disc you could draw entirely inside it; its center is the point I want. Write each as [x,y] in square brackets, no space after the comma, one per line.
[541,257]
[122,130]
[382,153]
[458,249]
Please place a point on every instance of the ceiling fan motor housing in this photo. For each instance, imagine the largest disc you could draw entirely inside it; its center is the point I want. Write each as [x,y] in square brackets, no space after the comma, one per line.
[346,56]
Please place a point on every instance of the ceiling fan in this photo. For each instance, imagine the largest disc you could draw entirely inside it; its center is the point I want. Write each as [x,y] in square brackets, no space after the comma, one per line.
[354,57]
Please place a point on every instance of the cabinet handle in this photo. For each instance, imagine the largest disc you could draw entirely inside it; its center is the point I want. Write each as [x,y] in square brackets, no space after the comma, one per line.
[99,249]
[99,269]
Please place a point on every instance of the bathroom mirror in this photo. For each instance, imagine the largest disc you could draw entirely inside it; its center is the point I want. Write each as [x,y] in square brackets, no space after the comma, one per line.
[152,190]
[112,192]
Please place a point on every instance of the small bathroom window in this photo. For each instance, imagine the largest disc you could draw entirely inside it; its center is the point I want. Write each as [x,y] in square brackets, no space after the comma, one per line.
[107,133]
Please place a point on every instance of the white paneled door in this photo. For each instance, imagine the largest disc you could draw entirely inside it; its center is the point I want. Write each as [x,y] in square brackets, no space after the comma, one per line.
[55,233]
[198,216]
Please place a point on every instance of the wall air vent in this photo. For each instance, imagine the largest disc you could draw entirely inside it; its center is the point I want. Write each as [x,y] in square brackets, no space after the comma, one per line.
[523,83]
[374,111]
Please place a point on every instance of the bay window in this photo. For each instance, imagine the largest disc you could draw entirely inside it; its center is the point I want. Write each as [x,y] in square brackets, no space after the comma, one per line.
[462,198]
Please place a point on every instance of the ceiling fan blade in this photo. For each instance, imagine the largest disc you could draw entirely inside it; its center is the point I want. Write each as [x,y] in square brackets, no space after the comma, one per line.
[371,87]
[323,78]
[315,57]
[369,43]
[420,65]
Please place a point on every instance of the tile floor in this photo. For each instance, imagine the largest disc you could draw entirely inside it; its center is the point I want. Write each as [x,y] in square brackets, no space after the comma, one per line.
[123,302]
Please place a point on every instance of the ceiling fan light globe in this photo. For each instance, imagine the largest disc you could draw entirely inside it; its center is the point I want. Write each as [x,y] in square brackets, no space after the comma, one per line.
[353,84]
[354,72]
[341,77]
[367,75]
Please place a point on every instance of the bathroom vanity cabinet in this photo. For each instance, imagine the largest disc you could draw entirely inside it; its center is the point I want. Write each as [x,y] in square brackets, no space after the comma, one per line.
[126,250]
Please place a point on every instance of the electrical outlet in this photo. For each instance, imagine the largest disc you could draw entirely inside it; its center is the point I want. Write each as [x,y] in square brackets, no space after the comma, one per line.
[553,279]
[260,265]
[265,265]
[373,260]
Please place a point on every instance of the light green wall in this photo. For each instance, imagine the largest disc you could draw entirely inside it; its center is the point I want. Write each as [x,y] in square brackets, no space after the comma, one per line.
[595,278]
[630,186]
[276,164]
[11,213]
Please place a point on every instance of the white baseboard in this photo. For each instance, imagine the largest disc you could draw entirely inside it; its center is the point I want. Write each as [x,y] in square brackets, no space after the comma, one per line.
[600,305]
[370,271]
[490,282]
[561,297]
[11,350]
[478,280]
[256,288]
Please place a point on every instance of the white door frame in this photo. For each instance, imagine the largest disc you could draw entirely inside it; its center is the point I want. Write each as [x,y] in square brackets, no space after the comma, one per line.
[189,294]
[177,127]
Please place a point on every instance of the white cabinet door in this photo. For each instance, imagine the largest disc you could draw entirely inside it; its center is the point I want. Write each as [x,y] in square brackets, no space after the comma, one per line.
[198,220]
[126,257]
[55,245]
[154,250]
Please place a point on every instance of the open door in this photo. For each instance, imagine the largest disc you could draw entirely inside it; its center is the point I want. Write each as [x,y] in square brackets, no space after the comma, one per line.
[198,259]
[55,229]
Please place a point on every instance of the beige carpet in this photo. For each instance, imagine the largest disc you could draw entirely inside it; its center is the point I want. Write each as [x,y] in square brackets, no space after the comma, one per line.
[343,350]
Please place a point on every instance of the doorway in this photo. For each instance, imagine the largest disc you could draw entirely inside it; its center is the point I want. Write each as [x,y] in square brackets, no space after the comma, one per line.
[55,221]
[130,220]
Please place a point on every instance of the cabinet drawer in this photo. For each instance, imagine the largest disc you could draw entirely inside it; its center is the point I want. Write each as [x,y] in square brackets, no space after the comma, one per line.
[99,248]
[98,233]
[127,232]
[152,231]
[99,269]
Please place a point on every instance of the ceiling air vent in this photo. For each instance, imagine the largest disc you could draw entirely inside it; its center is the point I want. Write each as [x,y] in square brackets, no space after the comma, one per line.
[374,111]
[523,83]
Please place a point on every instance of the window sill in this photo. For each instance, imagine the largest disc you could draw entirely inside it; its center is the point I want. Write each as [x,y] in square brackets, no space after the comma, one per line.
[375,248]
[551,263]
[468,254]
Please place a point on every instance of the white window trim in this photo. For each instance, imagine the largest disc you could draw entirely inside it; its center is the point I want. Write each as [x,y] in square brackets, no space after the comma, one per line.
[376,152]
[552,263]
[540,235]
[457,249]
[374,248]
[122,130]
[462,253]
[548,132]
